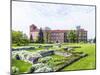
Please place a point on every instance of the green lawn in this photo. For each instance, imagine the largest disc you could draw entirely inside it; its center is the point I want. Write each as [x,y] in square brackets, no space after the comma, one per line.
[23,66]
[84,63]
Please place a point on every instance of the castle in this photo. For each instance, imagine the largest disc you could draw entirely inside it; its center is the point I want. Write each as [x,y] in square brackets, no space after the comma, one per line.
[58,35]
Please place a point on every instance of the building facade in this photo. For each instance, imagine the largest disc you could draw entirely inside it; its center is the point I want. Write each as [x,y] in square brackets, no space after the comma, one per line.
[58,36]
[33,33]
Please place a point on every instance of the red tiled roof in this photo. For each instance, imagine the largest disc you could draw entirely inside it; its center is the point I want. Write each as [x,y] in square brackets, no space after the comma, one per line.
[33,25]
[82,30]
[58,31]
[62,31]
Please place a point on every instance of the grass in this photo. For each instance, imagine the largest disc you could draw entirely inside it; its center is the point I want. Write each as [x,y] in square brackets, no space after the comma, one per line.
[58,61]
[84,63]
[23,66]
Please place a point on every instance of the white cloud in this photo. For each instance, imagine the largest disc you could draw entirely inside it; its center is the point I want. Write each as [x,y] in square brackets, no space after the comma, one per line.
[55,16]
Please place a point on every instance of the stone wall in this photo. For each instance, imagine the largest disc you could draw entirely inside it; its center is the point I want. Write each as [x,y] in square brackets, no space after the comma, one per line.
[27,48]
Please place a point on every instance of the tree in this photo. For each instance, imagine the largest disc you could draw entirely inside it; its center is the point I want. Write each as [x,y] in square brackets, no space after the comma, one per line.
[72,36]
[47,34]
[25,40]
[31,38]
[40,36]
[19,38]
[65,37]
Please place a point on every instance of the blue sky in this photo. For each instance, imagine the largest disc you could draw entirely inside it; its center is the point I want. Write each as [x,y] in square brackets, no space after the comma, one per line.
[55,16]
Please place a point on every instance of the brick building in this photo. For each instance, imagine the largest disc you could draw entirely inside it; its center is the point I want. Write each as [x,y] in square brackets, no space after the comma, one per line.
[58,35]
[33,32]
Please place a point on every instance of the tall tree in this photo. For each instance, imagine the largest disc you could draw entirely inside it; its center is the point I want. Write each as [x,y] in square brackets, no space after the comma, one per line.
[47,34]
[72,36]
[65,37]
[40,36]
[31,38]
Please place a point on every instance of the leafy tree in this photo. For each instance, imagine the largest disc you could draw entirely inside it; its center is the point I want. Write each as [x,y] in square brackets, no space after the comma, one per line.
[19,38]
[72,36]
[40,36]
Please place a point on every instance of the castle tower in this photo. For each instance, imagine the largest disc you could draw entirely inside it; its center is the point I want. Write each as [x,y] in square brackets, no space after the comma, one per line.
[33,28]
[33,33]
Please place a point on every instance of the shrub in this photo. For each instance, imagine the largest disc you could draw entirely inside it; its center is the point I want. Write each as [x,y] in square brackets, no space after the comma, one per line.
[45,59]
[18,57]
[31,70]
[15,70]
[44,69]
[25,55]
[40,67]
[35,67]
[40,46]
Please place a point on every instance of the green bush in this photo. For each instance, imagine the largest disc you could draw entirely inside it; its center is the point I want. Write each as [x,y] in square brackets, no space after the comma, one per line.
[31,70]
[45,59]
[19,38]
[15,70]
[44,69]
[39,67]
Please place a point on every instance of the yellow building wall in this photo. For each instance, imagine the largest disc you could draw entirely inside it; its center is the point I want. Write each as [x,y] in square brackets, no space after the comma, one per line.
[35,35]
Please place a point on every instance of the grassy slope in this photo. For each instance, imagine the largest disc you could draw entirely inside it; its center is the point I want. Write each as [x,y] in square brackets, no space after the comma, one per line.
[23,66]
[84,63]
